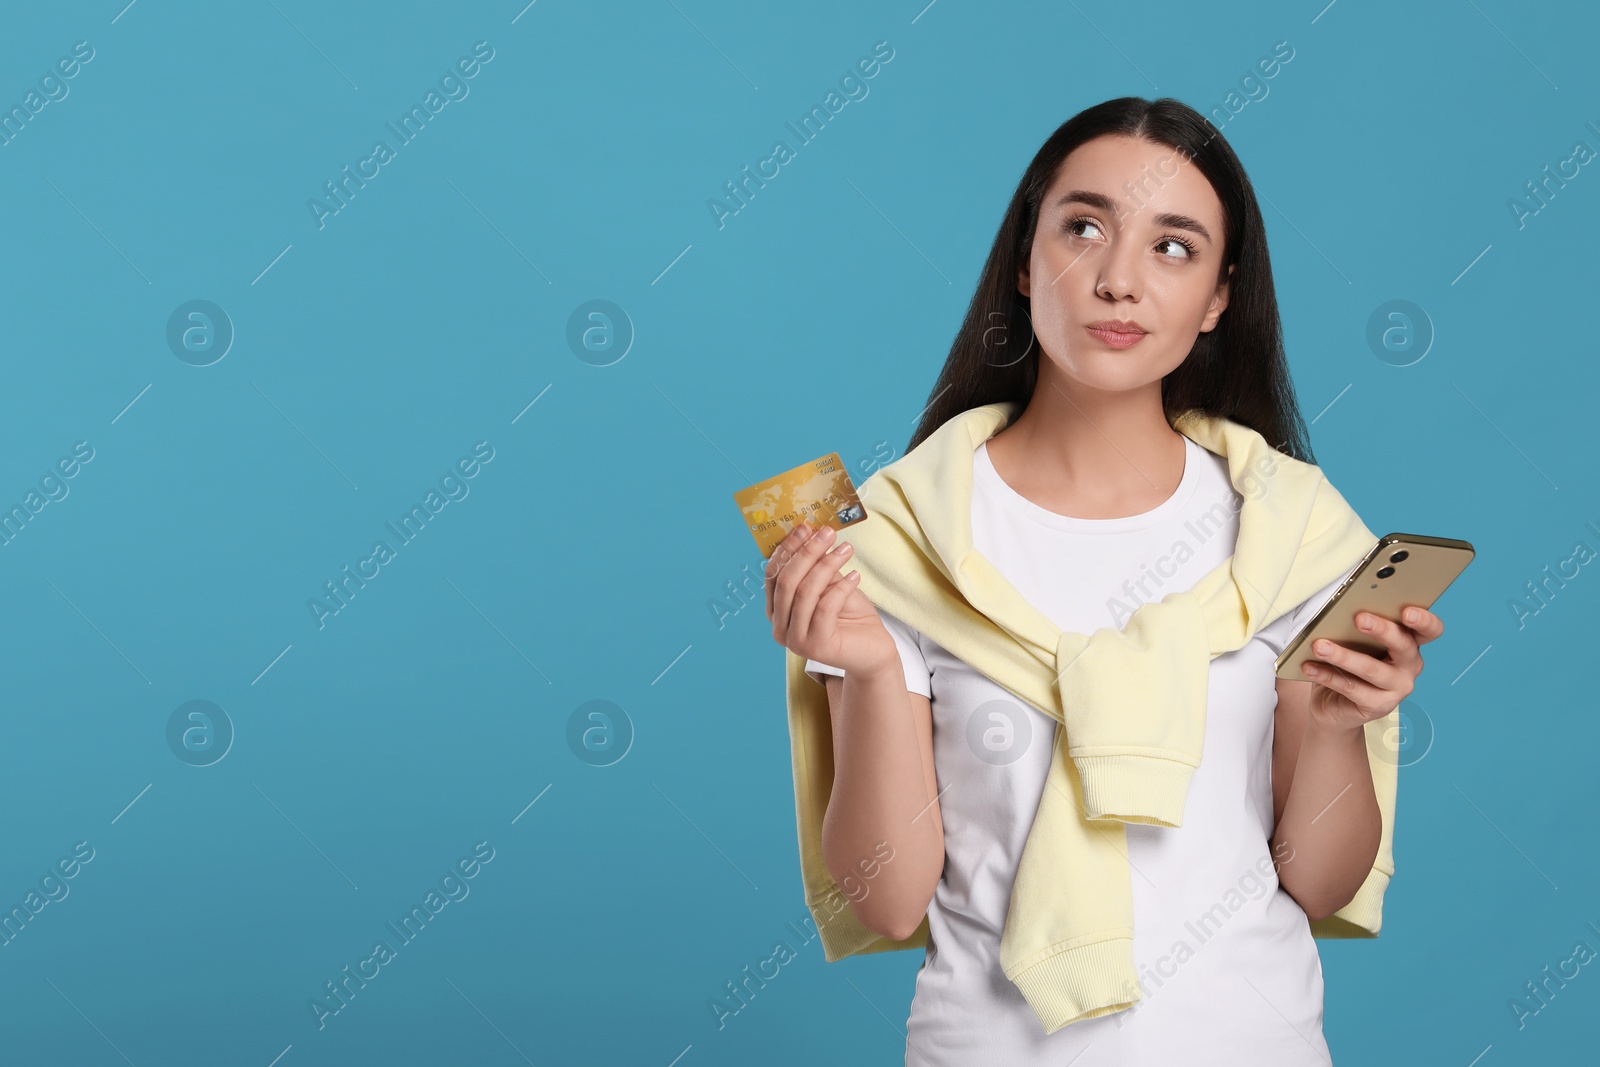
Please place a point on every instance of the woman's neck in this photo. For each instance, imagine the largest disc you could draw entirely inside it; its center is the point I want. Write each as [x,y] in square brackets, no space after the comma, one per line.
[1101,456]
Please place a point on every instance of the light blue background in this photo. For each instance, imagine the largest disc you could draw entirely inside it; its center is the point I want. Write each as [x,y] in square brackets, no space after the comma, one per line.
[371,754]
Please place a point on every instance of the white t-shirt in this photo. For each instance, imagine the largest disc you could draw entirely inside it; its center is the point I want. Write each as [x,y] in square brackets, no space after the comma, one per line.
[1225,957]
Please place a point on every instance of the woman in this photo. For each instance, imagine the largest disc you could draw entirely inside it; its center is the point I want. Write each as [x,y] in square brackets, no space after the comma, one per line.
[1129,284]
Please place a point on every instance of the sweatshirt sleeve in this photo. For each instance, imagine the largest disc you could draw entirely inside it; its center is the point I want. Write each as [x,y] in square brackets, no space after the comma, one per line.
[811,745]
[1363,915]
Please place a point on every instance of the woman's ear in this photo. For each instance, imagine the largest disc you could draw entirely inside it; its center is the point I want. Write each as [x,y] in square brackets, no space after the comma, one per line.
[1219,302]
[1022,280]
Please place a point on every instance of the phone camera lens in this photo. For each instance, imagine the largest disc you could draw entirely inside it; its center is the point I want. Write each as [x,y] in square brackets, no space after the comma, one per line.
[1399,556]
[1385,572]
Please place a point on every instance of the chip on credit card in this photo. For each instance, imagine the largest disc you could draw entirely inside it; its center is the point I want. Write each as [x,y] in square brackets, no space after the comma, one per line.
[819,493]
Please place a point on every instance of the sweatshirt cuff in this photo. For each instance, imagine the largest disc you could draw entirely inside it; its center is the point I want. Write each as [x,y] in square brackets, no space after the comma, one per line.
[1134,788]
[1363,916]
[1083,982]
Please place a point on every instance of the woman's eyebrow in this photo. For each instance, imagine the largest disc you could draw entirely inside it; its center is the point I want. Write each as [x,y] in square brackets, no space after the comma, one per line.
[1102,202]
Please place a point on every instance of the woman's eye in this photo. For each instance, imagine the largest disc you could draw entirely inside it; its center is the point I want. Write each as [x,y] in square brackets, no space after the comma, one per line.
[1073,224]
[1177,244]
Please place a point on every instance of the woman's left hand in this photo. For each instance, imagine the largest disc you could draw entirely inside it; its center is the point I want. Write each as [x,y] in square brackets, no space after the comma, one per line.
[1353,688]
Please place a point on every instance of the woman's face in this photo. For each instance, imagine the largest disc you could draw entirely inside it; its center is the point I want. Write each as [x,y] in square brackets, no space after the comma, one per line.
[1128,232]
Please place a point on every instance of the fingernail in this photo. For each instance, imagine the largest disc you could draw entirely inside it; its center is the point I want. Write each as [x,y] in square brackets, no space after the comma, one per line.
[1365,622]
[1311,669]
[826,533]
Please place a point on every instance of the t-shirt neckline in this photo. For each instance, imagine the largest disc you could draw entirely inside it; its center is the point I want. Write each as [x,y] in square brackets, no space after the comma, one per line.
[987,479]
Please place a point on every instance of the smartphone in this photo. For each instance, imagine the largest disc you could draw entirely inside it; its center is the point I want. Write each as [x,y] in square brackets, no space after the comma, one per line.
[1402,570]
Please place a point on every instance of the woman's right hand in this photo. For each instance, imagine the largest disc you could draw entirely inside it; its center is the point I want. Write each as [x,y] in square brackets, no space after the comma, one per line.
[818,613]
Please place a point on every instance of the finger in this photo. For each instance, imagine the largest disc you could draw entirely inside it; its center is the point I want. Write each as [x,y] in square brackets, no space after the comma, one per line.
[1399,640]
[826,618]
[1376,674]
[782,552]
[1363,696]
[781,572]
[809,590]
[790,577]
[1425,624]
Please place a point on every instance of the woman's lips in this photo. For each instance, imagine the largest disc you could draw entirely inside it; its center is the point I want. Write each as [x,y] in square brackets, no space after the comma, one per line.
[1116,338]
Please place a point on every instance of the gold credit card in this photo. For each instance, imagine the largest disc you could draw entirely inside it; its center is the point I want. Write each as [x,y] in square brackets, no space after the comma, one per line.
[819,493]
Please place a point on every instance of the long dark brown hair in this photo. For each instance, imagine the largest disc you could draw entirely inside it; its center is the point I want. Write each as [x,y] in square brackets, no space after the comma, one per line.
[1237,370]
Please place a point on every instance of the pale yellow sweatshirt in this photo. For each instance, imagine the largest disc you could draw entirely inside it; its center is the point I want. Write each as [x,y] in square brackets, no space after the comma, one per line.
[1132,702]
